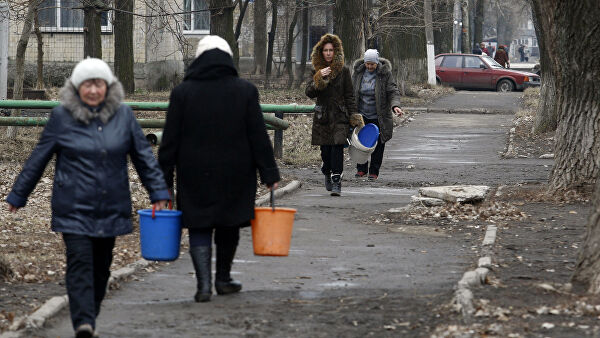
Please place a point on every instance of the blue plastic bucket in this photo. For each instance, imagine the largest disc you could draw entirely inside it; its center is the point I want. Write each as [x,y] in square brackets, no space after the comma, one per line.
[160,236]
[368,135]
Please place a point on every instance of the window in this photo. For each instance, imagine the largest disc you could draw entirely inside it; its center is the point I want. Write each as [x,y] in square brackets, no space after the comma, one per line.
[196,22]
[438,61]
[60,15]
[452,61]
[472,62]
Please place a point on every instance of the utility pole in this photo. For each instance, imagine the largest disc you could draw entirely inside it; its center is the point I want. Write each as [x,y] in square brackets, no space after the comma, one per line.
[3,49]
[429,37]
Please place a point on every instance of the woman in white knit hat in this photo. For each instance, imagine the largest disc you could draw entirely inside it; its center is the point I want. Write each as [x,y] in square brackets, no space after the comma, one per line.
[377,97]
[91,133]
[215,137]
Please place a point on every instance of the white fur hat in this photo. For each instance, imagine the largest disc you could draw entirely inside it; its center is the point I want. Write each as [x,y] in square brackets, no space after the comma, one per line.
[211,42]
[91,68]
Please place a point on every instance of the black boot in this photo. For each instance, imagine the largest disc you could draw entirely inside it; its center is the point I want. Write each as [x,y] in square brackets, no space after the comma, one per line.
[224,284]
[201,256]
[328,185]
[336,186]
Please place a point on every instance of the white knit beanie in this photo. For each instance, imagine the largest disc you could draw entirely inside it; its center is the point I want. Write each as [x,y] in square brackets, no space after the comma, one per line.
[211,42]
[91,68]
[372,55]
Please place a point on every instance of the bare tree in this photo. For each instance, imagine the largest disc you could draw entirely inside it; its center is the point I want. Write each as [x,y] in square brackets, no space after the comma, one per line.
[466,38]
[289,65]
[478,21]
[260,36]
[271,41]
[123,24]
[304,51]
[348,24]
[577,151]
[39,83]
[11,131]
[92,27]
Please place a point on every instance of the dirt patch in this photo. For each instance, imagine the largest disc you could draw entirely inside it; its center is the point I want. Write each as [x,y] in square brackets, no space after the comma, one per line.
[533,259]
[525,143]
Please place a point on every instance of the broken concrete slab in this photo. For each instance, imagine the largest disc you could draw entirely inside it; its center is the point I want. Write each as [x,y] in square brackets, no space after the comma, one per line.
[547,156]
[457,193]
[427,201]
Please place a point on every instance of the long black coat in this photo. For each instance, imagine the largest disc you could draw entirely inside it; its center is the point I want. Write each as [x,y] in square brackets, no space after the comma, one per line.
[91,186]
[216,138]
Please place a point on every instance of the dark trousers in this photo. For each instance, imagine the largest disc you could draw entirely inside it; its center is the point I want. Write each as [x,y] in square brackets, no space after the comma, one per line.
[333,159]
[223,235]
[376,156]
[88,270]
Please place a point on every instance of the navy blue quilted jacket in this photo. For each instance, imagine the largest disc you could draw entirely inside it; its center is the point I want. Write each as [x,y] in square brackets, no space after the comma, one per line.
[91,194]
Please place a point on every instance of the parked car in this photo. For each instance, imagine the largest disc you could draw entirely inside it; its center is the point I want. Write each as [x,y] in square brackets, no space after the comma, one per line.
[480,72]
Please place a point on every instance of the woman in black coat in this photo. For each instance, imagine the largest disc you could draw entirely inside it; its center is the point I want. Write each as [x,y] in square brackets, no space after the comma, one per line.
[91,133]
[216,138]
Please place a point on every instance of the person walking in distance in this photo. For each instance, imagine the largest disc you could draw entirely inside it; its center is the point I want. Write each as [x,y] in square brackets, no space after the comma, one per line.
[91,133]
[377,96]
[216,140]
[335,109]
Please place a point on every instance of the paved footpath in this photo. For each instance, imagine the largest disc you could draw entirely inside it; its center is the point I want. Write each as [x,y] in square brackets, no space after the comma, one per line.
[346,274]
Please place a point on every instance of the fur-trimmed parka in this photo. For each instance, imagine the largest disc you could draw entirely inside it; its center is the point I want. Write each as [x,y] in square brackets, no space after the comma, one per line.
[386,94]
[335,100]
[91,195]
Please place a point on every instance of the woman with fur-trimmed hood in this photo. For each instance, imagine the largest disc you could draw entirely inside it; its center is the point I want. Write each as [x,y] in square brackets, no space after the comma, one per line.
[91,133]
[331,85]
[376,97]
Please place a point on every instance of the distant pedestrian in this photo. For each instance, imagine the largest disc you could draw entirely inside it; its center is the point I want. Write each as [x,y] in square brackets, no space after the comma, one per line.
[91,133]
[216,140]
[335,108]
[522,52]
[502,57]
[484,50]
[377,97]
[476,50]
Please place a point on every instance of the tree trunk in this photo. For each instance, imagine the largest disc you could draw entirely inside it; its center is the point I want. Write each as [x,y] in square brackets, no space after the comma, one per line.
[92,31]
[576,69]
[123,24]
[11,132]
[260,36]
[546,118]
[271,42]
[289,65]
[39,83]
[587,270]
[442,26]
[348,25]
[238,27]
[466,39]
[478,21]
[221,24]
[304,51]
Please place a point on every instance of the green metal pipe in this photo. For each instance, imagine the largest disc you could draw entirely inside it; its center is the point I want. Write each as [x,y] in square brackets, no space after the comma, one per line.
[41,121]
[274,122]
[152,106]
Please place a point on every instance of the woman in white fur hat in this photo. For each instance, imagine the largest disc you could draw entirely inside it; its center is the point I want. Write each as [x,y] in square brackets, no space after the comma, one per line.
[215,137]
[91,133]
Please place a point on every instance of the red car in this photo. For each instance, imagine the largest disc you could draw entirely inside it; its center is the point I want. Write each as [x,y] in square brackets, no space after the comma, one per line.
[474,71]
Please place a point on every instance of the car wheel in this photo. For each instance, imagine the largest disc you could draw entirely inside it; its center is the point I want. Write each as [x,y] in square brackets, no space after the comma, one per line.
[438,82]
[505,86]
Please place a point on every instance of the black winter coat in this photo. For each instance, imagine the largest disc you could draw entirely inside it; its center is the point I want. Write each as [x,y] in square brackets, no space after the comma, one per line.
[216,138]
[91,185]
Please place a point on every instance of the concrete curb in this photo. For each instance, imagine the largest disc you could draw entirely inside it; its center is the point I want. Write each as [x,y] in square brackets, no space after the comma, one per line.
[457,110]
[463,297]
[291,187]
[56,304]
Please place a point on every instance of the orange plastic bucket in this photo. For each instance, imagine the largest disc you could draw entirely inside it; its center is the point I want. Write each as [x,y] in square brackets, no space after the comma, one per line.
[272,231]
